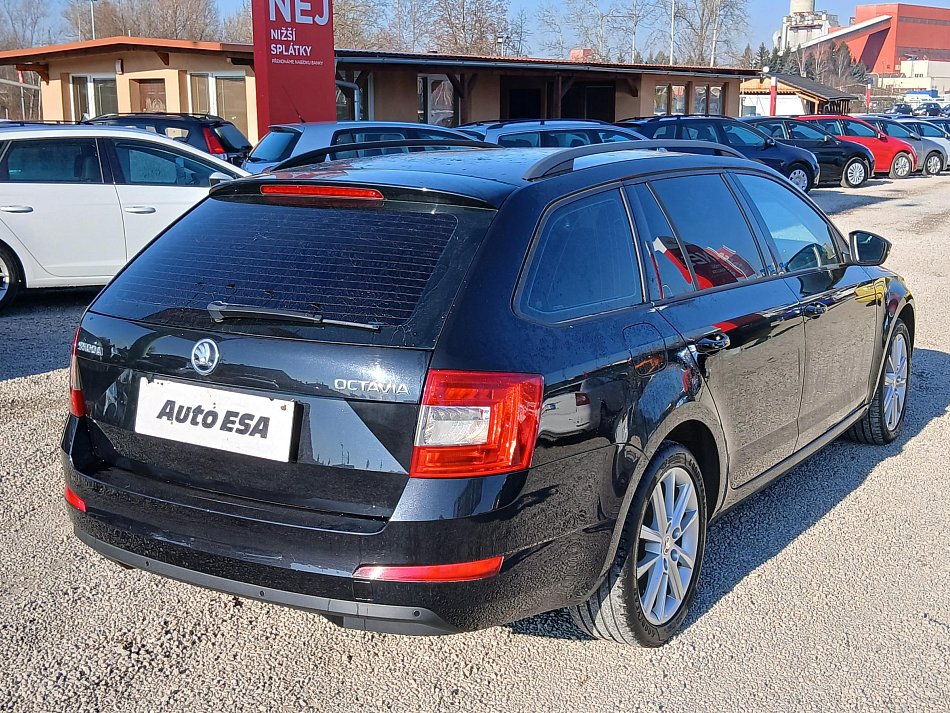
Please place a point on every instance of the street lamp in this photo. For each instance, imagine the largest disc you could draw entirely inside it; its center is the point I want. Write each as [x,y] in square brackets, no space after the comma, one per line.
[92,14]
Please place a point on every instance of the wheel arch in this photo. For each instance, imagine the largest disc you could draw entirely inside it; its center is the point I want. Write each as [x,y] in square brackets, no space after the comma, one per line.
[19,261]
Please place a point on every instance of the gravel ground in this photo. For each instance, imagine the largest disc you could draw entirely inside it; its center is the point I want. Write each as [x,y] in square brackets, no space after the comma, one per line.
[830,591]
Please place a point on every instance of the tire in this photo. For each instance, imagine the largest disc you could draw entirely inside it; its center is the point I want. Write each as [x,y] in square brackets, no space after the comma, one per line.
[615,611]
[933,164]
[801,177]
[879,426]
[901,166]
[855,173]
[11,277]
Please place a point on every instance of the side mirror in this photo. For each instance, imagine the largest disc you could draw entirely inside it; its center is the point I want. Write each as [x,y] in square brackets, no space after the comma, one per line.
[868,249]
[915,137]
[218,177]
[827,139]
[882,136]
[769,143]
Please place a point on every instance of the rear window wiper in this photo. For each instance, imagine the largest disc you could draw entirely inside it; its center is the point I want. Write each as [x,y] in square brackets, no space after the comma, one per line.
[220,311]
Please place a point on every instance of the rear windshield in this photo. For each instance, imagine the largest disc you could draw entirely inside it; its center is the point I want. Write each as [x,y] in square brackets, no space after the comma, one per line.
[276,146]
[397,266]
[231,138]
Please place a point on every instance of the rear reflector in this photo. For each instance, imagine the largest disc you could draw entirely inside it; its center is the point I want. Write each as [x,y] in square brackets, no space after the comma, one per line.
[77,403]
[74,500]
[476,423]
[338,192]
[459,572]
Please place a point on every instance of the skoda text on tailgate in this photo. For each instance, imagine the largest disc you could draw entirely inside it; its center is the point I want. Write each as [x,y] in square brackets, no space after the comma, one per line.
[432,392]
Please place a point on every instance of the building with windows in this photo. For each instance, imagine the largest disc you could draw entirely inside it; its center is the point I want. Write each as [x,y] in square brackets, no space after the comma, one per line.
[126,74]
[883,35]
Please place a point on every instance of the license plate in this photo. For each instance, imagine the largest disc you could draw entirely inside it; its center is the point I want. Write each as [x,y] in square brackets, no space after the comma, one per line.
[224,420]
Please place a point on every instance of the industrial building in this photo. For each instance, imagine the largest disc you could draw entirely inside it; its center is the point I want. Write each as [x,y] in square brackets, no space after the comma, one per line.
[881,35]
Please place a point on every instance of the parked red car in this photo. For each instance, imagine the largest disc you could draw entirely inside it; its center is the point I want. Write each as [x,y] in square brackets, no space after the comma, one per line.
[894,157]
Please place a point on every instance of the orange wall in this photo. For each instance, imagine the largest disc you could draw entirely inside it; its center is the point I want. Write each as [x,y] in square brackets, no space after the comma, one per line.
[882,51]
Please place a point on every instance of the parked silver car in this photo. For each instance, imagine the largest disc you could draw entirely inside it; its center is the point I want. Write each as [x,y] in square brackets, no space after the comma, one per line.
[932,158]
[554,133]
[284,141]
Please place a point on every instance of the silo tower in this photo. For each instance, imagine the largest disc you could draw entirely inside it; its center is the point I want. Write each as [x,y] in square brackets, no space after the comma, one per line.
[802,6]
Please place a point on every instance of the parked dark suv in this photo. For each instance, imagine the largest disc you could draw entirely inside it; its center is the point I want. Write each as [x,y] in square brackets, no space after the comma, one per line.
[432,392]
[211,134]
[797,165]
[847,162]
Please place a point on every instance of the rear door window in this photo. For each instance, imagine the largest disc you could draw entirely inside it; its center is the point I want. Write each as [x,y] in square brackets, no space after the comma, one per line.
[666,267]
[526,139]
[394,266]
[803,239]
[51,161]
[584,261]
[699,131]
[606,136]
[718,240]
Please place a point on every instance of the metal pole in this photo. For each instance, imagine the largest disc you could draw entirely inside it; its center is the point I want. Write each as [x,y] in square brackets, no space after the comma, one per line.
[92,14]
[672,27]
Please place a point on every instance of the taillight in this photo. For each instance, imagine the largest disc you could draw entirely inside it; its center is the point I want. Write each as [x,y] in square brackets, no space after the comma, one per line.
[77,404]
[476,423]
[457,572]
[74,500]
[214,144]
[581,399]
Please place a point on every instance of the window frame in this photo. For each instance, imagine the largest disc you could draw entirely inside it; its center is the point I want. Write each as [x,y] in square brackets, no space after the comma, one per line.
[120,179]
[765,235]
[549,210]
[105,168]
[89,78]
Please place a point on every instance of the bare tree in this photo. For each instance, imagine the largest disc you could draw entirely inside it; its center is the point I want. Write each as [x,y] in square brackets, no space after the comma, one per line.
[518,32]
[23,23]
[170,19]
[610,30]
[707,29]
[469,26]
[359,24]
[408,27]
[239,27]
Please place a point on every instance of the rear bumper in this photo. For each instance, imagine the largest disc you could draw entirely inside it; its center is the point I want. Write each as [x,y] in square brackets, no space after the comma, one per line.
[553,529]
[364,616]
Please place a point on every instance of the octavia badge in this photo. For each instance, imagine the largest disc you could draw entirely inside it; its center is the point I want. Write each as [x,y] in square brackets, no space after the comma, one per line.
[204,356]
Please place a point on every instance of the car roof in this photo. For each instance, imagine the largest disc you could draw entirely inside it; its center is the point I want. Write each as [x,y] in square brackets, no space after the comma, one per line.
[16,131]
[530,124]
[490,175]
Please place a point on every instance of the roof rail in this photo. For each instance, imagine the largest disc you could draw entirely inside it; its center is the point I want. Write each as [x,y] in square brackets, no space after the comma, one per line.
[563,161]
[498,123]
[320,155]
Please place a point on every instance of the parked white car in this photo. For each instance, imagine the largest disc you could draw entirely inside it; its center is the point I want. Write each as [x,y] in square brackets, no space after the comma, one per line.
[77,202]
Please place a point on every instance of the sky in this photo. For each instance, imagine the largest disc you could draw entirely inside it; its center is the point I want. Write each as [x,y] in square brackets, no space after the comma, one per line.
[765,15]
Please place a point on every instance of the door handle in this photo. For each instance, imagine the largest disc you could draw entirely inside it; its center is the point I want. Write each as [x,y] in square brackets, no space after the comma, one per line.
[139,209]
[712,343]
[814,310]
[16,209]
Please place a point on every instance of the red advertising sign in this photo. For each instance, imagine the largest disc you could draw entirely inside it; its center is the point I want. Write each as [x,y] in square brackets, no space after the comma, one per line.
[294,64]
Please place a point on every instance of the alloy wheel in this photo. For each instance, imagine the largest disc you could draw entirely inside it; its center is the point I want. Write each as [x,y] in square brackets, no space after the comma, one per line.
[902,166]
[799,178]
[934,164]
[668,546]
[895,382]
[857,173]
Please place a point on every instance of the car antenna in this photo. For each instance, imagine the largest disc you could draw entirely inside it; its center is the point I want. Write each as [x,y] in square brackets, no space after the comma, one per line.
[294,107]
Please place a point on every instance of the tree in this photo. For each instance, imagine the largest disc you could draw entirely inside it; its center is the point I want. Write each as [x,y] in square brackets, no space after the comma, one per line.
[469,26]
[239,27]
[169,19]
[23,23]
[359,24]
[707,29]
[409,26]
[609,30]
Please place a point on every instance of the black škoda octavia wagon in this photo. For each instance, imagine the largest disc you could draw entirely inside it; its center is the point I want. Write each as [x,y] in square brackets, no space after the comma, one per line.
[431,392]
